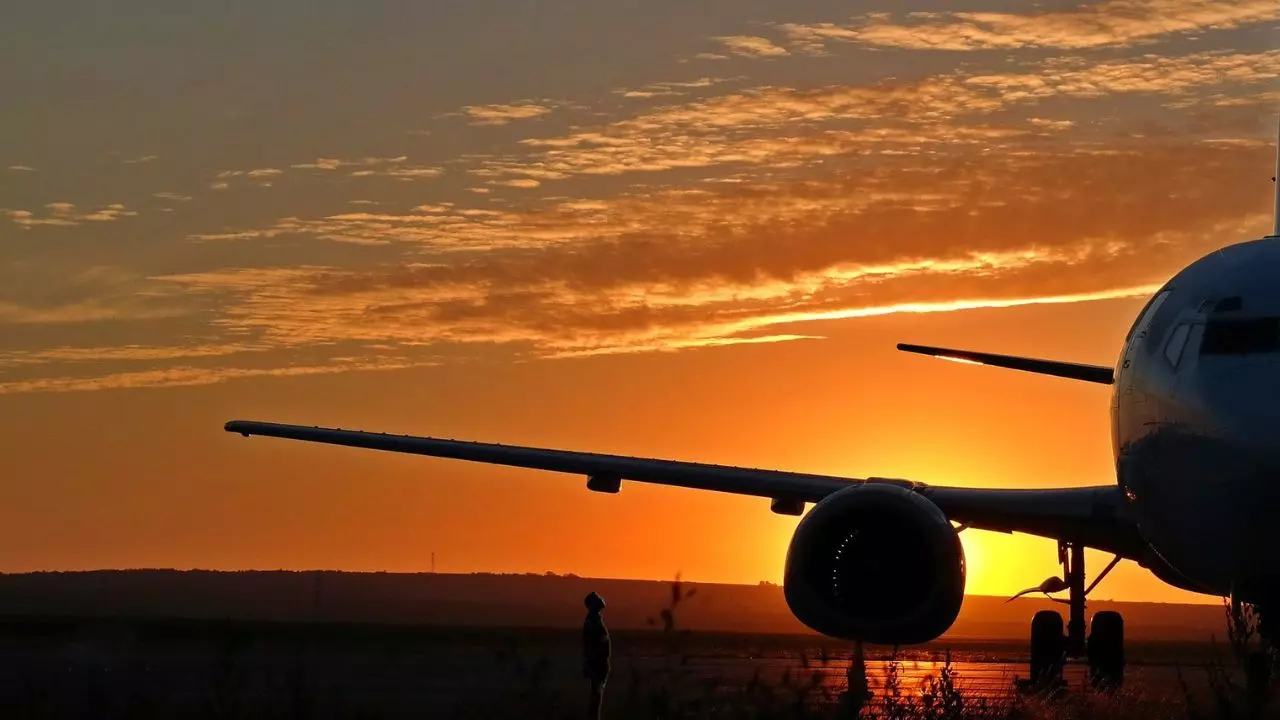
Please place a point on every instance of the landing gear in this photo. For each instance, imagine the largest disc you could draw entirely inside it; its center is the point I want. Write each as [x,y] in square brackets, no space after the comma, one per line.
[1106,650]
[1103,647]
[1048,653]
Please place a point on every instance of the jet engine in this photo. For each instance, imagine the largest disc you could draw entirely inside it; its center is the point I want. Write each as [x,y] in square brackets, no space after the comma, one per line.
[876,562]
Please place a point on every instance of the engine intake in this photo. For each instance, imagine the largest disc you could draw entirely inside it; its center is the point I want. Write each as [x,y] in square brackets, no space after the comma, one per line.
[878,563]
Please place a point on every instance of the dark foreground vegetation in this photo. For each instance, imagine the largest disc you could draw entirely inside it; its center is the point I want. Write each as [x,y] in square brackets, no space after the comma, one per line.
[1238,679]
[152,668]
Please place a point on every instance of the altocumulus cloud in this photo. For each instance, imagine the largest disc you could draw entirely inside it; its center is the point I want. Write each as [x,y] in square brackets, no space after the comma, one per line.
[185,376]
[783,127]
[794,206]
[503,114]
[751,46]
[677,269]
[64,214]
[1112,23]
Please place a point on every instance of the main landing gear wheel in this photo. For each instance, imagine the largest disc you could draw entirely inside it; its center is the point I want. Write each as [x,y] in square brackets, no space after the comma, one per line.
[1048,652]
[1106,650]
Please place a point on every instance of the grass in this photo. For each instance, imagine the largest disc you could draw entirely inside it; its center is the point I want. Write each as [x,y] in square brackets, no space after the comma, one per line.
[1243,683]
[524,677]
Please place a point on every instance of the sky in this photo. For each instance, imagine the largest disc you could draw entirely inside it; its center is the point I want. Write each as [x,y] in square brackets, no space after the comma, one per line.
[679,230]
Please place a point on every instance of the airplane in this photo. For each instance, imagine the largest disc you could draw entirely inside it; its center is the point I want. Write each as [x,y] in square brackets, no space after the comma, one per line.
[1195,426]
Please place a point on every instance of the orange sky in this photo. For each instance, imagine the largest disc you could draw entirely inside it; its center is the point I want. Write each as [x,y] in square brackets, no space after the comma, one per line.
[646,229]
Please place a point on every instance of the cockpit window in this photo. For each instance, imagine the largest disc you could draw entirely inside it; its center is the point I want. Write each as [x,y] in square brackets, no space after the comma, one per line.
[1177,341]
[1241,337]
[1231,304]
[1144,320]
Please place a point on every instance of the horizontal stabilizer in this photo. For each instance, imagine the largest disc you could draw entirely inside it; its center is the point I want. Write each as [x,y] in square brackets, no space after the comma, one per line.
[1073,371]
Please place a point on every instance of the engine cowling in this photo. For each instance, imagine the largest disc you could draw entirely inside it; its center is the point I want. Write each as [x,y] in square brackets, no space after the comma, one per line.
[876,562]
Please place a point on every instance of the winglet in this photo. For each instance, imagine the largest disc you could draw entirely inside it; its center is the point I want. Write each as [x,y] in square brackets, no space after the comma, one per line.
[1072,371]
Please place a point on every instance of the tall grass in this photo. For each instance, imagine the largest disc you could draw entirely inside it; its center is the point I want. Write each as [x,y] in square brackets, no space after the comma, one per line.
[524,682]
[1241,681]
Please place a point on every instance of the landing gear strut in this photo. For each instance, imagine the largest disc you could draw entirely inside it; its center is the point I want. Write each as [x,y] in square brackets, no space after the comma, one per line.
[1103,647]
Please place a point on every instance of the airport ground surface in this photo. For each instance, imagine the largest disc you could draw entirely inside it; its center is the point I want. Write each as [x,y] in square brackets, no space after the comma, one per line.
[137,669]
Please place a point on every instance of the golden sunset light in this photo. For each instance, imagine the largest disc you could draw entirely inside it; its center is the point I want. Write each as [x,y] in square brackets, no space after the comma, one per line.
[690,231]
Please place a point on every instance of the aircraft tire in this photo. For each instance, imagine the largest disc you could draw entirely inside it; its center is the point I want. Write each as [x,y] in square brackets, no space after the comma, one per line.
[1106,650]
[1047,649]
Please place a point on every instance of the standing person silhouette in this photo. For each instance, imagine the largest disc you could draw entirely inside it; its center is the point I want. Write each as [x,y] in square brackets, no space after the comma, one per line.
[595,652]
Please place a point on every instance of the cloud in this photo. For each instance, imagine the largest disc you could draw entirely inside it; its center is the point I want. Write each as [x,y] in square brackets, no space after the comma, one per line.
[726,334]
[890,186]
[649,93]
[22,168]
[669,89]
[1111,23]
[95,310]
[403,173]
[109,213]
[259,177]
[336,164]
[141,160]
[789,206]
[526,183]
[65,214]
[240,234]
[172,196]
[388,167]
[557,320]
[503,114]
[27,219]
[195,376]
[674,268]
[1154,75]
[322,164]
[1262,98]
[1239,142]
[122,353]
[751,46]
[1049,124]
[790,127]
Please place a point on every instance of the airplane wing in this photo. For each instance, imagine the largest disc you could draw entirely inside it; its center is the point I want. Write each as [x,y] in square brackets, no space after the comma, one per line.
[1072,371]
[1093,516]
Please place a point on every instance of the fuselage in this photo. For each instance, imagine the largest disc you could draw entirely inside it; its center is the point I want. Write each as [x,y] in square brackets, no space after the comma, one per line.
[1196,423]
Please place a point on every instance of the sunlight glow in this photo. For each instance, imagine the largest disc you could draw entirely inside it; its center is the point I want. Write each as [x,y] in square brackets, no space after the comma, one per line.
[966,361]
[973,562]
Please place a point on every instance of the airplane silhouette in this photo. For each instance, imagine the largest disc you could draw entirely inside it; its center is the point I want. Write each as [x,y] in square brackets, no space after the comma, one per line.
[1195,419]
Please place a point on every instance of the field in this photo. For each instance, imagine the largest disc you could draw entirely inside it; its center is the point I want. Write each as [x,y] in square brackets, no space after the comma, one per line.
[122,668]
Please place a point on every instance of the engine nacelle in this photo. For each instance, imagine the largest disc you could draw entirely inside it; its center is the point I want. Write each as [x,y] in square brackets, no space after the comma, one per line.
[878,563]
